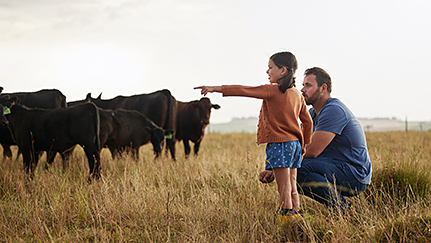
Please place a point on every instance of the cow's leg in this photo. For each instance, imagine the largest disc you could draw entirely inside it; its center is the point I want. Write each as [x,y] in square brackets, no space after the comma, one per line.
[187,148]
[93,157]
[30,158]
[170,143]
[7,153]
[65,156]
[166,149]
[18,154]
[135,153]
[50,156]
[196,147]
[26,159]
[35,161]
[114,153]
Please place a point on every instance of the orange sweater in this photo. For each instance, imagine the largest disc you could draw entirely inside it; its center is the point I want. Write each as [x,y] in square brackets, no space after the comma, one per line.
[278,118]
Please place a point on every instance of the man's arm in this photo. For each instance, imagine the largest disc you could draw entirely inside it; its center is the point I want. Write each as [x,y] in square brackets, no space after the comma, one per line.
[319,141]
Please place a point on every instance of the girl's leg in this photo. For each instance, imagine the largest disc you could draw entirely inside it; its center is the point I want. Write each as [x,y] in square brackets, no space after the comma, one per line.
[282,177]
[294,190]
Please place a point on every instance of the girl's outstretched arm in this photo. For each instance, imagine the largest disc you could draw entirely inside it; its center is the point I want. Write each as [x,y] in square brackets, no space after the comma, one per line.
[209,89]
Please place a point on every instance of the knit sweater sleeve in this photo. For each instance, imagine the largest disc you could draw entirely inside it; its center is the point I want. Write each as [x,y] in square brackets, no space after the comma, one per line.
[259,92]
[307,123]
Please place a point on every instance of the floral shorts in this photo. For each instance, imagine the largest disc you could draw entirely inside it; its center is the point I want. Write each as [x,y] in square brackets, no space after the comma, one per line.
[285,154]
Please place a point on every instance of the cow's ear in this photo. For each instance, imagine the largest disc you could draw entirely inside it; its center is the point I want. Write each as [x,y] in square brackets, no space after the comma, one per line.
[215,106]
[14,100]
[11,101]
[1,89]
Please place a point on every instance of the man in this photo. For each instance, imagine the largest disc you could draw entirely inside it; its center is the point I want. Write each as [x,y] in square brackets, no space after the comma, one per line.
[336,162]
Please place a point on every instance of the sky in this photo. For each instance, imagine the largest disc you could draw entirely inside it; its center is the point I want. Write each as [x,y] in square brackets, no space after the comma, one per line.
[376,52]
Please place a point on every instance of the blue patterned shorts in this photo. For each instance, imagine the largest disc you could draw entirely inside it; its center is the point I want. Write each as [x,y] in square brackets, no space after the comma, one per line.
[285,154]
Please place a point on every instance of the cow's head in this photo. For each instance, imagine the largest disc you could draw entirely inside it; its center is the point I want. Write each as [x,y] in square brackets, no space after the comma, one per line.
[202,110]
[3,112]
[6,102]
[158,138]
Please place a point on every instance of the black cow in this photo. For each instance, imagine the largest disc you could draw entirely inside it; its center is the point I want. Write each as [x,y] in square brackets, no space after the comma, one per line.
[46,98]
[121,129]
[192,118]
[58,130]
[160,107]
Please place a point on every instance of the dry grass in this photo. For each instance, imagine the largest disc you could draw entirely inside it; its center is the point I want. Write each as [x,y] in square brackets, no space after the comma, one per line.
[214,197]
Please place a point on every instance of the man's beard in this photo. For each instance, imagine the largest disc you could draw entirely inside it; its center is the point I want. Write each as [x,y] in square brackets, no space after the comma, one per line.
[313,98]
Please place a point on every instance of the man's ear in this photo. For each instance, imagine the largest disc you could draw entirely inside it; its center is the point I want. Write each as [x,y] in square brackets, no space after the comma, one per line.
[324,87]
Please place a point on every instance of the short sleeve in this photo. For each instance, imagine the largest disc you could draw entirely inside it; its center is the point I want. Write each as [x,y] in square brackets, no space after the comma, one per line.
[332,119]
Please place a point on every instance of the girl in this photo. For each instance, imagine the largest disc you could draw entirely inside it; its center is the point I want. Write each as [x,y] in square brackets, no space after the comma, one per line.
[278,126]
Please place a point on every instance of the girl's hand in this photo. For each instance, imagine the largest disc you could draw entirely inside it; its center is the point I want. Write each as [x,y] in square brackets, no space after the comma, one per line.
[266,176]
[208,89]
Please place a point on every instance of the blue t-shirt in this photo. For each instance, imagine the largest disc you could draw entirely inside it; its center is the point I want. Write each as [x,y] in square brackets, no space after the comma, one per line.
[349,144]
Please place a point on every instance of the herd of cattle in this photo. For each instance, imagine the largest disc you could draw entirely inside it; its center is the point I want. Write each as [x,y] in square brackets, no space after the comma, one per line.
[43,121]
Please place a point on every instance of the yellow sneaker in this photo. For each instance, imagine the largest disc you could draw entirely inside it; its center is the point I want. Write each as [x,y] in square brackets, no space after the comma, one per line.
[284,219]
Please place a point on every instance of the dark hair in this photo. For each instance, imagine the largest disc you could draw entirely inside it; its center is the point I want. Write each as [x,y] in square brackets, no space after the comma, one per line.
[288,60]
[322,77]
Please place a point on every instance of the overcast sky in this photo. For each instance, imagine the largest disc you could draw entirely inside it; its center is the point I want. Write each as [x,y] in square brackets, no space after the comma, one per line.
[377,52]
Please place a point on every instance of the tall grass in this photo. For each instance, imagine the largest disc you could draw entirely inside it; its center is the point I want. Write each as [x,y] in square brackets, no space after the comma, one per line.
[215,197]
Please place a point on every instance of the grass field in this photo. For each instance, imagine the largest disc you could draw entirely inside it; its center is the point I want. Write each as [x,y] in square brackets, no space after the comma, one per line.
[215,197]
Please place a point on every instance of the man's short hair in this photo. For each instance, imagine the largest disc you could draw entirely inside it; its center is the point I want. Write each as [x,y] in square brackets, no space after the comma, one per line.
[322,77]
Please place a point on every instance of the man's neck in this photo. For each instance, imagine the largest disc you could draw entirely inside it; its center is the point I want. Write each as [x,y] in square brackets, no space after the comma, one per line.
[320,103]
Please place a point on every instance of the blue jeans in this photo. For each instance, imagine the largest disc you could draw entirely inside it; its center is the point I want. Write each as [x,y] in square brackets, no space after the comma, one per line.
[328,181]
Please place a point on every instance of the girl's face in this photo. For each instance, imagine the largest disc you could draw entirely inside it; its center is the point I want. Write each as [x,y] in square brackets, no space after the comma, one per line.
[274,72]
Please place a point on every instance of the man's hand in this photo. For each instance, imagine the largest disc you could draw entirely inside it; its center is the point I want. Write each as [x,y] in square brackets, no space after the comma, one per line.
[266,176]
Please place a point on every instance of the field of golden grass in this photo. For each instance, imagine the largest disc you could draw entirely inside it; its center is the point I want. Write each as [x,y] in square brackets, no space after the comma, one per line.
[215,197]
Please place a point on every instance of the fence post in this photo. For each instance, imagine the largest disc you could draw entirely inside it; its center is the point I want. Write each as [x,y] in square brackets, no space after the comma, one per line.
[407,125]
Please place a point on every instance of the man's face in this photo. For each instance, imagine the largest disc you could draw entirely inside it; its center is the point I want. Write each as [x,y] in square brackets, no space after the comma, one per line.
[310,90]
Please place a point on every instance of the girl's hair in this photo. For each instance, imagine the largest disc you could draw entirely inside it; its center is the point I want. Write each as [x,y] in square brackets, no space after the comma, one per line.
[288,60]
